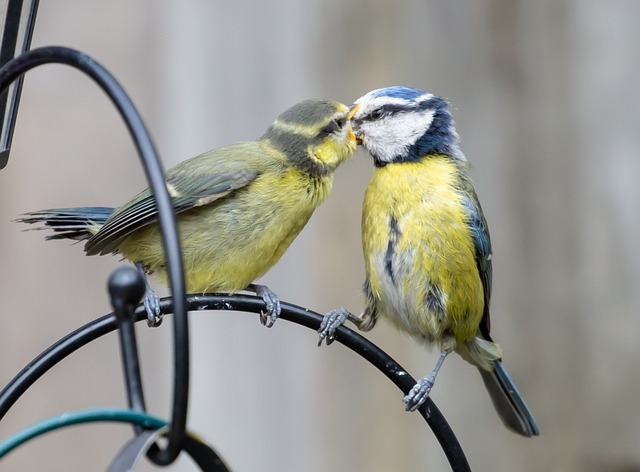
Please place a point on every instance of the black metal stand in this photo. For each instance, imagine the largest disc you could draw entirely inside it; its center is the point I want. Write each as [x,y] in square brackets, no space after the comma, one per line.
[354,341]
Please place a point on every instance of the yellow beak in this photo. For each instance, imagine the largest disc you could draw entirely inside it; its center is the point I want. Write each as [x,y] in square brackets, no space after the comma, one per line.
[353,110]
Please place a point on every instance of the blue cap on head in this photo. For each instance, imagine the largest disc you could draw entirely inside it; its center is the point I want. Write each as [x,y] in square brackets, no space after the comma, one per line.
[399,91]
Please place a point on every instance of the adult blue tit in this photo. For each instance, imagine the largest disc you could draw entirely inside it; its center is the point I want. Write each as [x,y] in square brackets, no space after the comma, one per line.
[426,243]
[238,207]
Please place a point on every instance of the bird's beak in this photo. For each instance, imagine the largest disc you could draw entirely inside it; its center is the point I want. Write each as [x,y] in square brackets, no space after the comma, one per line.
[353,110]
[355,125]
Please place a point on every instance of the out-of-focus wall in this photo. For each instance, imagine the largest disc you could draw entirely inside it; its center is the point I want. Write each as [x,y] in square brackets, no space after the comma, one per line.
[546,99]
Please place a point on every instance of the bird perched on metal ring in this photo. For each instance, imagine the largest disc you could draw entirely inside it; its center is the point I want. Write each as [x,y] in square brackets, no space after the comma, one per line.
[426,243]
[238,207]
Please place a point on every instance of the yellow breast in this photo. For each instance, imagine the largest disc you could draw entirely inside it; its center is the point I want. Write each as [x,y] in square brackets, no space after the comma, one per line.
[419,253]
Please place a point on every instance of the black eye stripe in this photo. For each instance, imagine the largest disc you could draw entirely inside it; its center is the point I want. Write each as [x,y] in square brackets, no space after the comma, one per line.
[386,110]
[436,104]
[335,125]
[391,109]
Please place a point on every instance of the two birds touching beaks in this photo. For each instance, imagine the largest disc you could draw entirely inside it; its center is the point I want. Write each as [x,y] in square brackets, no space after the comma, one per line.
[426,243]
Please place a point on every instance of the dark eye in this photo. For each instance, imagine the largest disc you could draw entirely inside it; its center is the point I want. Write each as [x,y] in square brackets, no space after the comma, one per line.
[387,110]
[377,114]
[334,126]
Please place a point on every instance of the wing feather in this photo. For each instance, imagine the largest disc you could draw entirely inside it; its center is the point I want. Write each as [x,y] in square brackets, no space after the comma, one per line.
[189,187]
[482,242]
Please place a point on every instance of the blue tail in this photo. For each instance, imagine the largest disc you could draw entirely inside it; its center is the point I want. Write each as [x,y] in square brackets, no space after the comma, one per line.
[509,404]
[68,223]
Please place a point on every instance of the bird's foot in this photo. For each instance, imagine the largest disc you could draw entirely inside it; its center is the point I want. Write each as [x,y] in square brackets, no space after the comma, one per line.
[332,321]
[272,303]
[419,393]
[152,307]
[151,301]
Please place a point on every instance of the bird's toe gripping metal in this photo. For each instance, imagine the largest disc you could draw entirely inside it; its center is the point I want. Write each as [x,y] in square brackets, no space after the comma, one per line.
[332,321]
[151,301]
[152,307]
[419,393]
[272,303]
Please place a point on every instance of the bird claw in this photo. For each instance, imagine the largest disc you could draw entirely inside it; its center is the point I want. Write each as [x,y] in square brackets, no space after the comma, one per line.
[332,321]
[152,307]
[419,393]
[272,303]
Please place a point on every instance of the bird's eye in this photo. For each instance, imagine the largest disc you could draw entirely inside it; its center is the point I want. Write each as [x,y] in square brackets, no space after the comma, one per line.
[334,125]
[377,114]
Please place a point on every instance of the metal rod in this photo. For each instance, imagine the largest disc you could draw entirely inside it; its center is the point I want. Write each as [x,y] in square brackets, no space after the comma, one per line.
[7,52]
[126,288]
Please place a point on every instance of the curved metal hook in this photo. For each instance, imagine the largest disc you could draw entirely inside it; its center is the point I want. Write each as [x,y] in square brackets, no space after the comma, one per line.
[137,447]
[18,66]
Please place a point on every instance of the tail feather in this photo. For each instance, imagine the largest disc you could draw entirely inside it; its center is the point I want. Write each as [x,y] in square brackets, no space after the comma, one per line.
[508,402]
[69,223]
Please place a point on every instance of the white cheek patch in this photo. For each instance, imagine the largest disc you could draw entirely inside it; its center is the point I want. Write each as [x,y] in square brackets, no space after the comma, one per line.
[392,136]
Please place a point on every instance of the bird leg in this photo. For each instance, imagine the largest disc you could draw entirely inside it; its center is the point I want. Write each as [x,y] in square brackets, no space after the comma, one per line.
[420,391]
[151,301]
[271,301]
[336,318]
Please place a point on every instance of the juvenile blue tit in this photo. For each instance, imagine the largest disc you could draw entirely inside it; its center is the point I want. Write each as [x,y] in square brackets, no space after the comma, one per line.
[426,243]
[238,207]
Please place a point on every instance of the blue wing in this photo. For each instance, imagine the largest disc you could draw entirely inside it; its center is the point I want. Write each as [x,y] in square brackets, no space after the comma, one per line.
[482,242]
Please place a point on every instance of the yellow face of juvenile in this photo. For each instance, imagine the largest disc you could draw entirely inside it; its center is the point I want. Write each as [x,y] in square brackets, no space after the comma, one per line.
[334,140]
[315,135]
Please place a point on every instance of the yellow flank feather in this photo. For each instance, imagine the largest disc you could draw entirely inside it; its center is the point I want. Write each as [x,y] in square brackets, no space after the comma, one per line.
[431,245]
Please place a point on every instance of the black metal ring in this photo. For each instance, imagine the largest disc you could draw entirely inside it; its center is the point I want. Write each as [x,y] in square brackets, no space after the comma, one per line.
[18,66]
[349,338]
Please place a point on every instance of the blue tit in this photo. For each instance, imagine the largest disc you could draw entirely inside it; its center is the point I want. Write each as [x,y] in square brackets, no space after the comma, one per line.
[238,207]
[426,243]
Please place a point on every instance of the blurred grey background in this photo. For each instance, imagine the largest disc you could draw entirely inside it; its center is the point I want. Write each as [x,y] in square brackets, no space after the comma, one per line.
[546,97]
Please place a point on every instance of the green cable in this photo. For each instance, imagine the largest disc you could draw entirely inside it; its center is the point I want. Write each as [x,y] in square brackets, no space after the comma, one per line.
[120,415]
